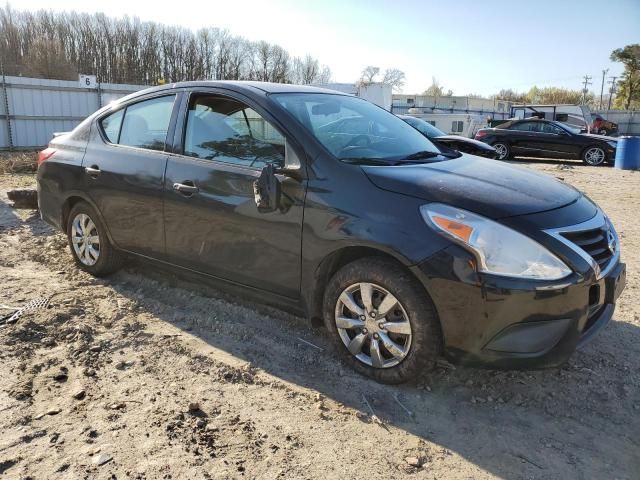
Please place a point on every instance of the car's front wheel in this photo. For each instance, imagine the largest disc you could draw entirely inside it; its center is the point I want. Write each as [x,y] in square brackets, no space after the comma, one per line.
[594,156]
[382,320]
[89,243]
[502,150]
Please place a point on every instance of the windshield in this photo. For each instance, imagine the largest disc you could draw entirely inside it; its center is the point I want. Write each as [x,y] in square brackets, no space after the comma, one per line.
[424,127]
[352,128]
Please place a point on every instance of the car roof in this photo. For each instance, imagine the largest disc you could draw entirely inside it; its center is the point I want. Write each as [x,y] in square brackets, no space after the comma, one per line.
[508,123]
[533,119]
[241,86]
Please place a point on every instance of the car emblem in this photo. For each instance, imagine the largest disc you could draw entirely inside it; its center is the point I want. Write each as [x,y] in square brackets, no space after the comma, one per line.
[611,242]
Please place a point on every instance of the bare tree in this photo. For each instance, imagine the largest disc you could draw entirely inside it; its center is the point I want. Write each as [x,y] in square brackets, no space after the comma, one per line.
[325,75]
[305,70]
[126,50]
[395,78]
[369,74]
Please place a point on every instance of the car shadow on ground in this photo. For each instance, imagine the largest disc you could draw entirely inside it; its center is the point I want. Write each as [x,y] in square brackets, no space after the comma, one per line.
[11,219]
[510,423]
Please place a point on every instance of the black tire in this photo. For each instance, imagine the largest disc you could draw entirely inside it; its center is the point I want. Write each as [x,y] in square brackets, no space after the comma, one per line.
[507,150]
[109,259]
[586,158]
[426,336]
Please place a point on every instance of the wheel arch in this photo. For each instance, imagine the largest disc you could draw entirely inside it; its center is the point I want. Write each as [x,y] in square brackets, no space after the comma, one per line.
[72,199]
[333,262]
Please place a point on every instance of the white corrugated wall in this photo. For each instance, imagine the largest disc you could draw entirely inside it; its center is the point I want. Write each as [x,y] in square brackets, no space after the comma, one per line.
[40,107]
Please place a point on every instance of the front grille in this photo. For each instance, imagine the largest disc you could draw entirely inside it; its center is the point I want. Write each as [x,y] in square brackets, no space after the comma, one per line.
[594,242]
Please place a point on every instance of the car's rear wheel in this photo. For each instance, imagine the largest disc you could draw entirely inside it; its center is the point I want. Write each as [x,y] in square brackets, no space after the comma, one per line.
[382,320]
[594,156]
[502,150]
[89,243]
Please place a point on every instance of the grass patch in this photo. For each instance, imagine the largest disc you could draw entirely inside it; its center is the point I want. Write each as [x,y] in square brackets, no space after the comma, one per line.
[18,162]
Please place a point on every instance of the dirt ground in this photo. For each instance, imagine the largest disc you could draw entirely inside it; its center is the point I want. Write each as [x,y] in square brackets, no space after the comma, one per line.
[145,376]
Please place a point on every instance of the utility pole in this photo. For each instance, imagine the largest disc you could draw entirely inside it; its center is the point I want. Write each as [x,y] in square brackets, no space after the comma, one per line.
[587,81]
[604,72]
[612,90]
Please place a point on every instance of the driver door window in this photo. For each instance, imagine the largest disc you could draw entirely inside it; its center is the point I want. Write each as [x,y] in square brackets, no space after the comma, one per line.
[226,130]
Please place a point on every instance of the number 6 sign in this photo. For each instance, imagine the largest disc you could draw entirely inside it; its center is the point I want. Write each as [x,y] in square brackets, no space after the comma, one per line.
[87,81]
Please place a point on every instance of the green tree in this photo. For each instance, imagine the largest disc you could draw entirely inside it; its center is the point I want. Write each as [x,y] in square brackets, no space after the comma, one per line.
[555,95]
[436,89]
[629,85]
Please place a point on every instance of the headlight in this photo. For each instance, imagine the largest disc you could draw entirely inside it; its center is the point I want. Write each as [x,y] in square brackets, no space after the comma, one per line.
[498,249]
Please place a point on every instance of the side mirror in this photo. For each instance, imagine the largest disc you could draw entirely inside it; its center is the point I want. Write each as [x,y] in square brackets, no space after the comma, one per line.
[267,190]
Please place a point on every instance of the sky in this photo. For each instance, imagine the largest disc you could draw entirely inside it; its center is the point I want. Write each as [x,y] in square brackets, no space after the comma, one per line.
[469,46]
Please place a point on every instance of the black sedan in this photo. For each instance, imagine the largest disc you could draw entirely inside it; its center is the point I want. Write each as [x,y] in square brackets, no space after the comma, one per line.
[403,250]
[454,142]
[543,138]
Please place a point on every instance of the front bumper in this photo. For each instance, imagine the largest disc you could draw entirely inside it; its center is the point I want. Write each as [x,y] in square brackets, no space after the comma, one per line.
[502,322]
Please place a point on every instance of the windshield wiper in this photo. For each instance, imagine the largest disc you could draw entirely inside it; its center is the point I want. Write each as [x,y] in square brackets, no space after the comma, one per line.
[367,161]
[429,154]
[417,157]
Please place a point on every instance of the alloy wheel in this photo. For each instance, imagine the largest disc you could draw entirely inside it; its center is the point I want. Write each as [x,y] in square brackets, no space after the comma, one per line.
[594,156]
[502,150]
[85,239]
[373,325]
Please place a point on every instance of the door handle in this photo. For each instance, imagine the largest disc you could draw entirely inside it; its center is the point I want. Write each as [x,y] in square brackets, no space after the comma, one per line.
[93,170]
[186,188]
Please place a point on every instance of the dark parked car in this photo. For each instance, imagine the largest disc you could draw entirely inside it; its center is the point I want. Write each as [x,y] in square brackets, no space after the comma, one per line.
[543,138]
[404,251]
[453,142]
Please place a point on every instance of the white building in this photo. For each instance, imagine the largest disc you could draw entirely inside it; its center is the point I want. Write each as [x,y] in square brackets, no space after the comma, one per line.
[378,93]
[401,103]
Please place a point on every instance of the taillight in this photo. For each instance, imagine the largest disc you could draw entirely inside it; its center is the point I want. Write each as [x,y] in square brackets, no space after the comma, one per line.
[45,155]
[480,134]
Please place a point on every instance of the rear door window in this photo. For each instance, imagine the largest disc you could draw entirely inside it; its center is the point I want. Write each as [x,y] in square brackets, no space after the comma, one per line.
[525,127]
[111,125]
[146,123]
[143,124]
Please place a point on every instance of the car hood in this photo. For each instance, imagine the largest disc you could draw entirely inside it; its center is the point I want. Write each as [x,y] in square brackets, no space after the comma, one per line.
[599,137]
[487,187]
[471,141]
